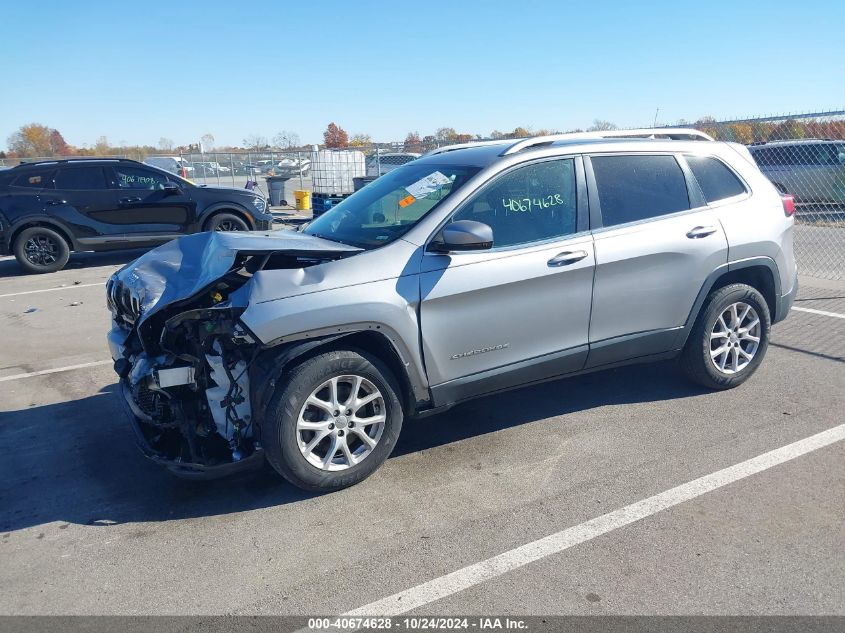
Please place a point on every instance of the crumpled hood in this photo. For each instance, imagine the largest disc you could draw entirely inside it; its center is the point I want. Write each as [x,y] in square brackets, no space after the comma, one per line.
[181,268]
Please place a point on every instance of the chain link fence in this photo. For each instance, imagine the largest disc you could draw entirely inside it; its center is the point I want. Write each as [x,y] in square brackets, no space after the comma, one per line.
[804,156]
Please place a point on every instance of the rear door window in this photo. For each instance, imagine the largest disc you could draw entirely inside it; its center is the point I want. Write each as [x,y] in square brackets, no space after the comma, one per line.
[35,179]
[716,181]
[81,178]
[639,187]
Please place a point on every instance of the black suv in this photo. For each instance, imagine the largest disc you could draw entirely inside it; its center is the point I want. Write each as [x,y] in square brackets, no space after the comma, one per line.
[50,208]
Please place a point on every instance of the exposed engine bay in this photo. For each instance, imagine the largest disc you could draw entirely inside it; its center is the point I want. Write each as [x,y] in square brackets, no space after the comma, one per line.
[183,356]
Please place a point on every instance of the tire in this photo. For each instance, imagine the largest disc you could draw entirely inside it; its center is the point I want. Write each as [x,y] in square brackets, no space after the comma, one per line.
[226,222]
[41,250]
[713,343]
[286,443]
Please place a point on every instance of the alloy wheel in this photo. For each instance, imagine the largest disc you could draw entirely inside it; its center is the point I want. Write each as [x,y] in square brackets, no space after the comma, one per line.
[228,225]
[341,423]
[41,250]
[735,338]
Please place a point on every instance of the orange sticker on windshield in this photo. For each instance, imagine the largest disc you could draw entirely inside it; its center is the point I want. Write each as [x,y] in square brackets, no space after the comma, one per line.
[407,201]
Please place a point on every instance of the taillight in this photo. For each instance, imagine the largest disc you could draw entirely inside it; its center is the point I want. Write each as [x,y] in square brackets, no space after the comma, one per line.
[788,204]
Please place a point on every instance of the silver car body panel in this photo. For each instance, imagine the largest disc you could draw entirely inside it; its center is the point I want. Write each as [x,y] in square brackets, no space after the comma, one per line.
[467,323]
[513,306]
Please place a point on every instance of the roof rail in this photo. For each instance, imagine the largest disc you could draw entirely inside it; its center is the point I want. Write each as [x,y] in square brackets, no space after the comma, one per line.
[81,159]
[452,148]
[674,133]
[795,140]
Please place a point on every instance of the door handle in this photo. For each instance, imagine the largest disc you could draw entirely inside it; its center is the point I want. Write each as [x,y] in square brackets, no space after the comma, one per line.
[567,257]
[130,200]
[53,203]
[701,231]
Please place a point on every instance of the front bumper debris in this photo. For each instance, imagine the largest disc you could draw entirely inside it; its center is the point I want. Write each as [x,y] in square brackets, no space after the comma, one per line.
[185,470]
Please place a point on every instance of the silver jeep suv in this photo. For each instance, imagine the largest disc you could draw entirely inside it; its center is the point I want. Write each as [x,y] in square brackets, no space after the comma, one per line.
[474,269]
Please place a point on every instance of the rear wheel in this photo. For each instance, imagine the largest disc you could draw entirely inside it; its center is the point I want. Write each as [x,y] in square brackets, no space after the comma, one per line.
[41,250]
[333,422]
[226,222]
[729,338]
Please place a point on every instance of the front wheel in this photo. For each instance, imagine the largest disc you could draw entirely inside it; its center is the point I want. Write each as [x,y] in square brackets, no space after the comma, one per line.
[729,338]
[333,422]
[41,250]
[226,222]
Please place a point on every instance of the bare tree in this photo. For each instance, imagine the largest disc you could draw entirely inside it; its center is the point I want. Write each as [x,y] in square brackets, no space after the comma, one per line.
[255,141]
[445,134]
[602,126]
[165,144]
[207,141]
[101,147]
[286,139]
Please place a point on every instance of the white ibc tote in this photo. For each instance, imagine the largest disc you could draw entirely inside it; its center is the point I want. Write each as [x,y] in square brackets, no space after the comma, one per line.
[332,170]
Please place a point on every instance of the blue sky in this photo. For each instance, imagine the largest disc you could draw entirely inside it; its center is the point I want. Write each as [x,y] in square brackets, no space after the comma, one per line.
[136,72]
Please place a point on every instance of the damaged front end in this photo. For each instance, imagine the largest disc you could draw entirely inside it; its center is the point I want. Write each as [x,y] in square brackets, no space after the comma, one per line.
[181,352]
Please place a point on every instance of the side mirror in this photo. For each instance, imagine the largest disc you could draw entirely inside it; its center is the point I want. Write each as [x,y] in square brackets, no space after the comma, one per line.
[463,235]
[171,188]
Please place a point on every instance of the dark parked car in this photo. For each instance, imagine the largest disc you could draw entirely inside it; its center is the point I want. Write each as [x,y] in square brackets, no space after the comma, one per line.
[48,209]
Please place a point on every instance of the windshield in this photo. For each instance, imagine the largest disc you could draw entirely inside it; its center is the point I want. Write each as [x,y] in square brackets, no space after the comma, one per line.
[390,206]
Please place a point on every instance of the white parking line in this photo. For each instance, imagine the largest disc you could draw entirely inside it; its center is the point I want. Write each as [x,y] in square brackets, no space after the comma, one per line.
[56,370]
[32,292]
[835,315]
[472,575]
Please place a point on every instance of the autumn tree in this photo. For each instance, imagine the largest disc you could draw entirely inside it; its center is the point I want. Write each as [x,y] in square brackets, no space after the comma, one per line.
[335,136]
[444,134]
[361,140]
[741,133]
[32,140]
[413,142]
[58,146]
[520,132]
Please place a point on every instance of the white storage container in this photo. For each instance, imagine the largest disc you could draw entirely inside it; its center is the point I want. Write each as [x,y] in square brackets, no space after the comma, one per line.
[332,170]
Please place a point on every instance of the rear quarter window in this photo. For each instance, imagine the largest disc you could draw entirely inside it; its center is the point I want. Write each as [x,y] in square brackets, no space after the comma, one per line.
[715,180]
[35,179]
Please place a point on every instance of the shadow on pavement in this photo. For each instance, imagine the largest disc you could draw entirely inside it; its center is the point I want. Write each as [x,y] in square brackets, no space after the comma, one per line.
[9,266]
[76,462]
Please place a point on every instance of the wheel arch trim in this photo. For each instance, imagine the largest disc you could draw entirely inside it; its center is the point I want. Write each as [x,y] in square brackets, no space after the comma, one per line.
[47,222]
[227,207]
[277,355]
[710,282]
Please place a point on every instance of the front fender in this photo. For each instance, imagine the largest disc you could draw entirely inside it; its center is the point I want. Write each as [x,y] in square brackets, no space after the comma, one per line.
[387,307]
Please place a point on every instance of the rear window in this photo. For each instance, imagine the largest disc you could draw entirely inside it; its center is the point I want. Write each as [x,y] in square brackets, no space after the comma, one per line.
[35,179]
[81,178]
[716,181]
[633,188]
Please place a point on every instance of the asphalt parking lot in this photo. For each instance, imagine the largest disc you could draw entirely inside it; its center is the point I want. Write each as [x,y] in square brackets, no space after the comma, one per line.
[87,526]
